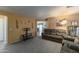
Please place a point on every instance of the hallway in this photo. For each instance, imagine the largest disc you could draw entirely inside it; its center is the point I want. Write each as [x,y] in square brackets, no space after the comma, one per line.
[36,45]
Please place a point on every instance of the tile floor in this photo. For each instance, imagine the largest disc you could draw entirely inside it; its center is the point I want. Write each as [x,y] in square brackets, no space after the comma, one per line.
[35,45]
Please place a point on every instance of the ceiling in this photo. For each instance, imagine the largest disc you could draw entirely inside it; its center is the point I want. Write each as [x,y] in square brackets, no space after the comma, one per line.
[40,12]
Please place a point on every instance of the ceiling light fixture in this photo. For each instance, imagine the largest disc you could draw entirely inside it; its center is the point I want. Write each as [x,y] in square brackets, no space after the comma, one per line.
[63,22]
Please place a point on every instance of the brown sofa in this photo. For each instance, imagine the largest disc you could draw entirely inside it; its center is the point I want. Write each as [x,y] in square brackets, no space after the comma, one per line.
[69,38]
[69,47]
[56,36]
[51,34]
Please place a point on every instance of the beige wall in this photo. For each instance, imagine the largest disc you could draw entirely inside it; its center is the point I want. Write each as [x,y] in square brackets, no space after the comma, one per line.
[51,23]
[73,18]
[70,18]
[23,22]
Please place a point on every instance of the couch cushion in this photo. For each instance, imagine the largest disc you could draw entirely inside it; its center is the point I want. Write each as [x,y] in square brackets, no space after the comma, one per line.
[69,38]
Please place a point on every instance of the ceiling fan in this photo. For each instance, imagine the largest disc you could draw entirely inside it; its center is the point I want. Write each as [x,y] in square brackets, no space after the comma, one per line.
[69,6]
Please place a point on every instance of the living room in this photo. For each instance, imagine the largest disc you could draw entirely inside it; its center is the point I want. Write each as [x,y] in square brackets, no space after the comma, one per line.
[57,25]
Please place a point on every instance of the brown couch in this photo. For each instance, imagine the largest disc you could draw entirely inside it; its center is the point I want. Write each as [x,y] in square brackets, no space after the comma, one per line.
[69,38]
[69,47]
[51,34]
[56,36]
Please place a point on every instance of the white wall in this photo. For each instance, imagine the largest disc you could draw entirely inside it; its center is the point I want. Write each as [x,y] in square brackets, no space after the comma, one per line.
[3,28]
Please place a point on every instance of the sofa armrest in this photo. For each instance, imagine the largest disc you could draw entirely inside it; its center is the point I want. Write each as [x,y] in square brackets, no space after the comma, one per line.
[71,46]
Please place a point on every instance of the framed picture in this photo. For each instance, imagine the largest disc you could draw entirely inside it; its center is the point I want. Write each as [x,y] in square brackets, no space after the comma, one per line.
[32,25]
[17,26]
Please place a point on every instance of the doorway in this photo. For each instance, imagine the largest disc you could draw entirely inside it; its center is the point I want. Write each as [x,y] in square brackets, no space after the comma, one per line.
[41,25]
[3,30]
